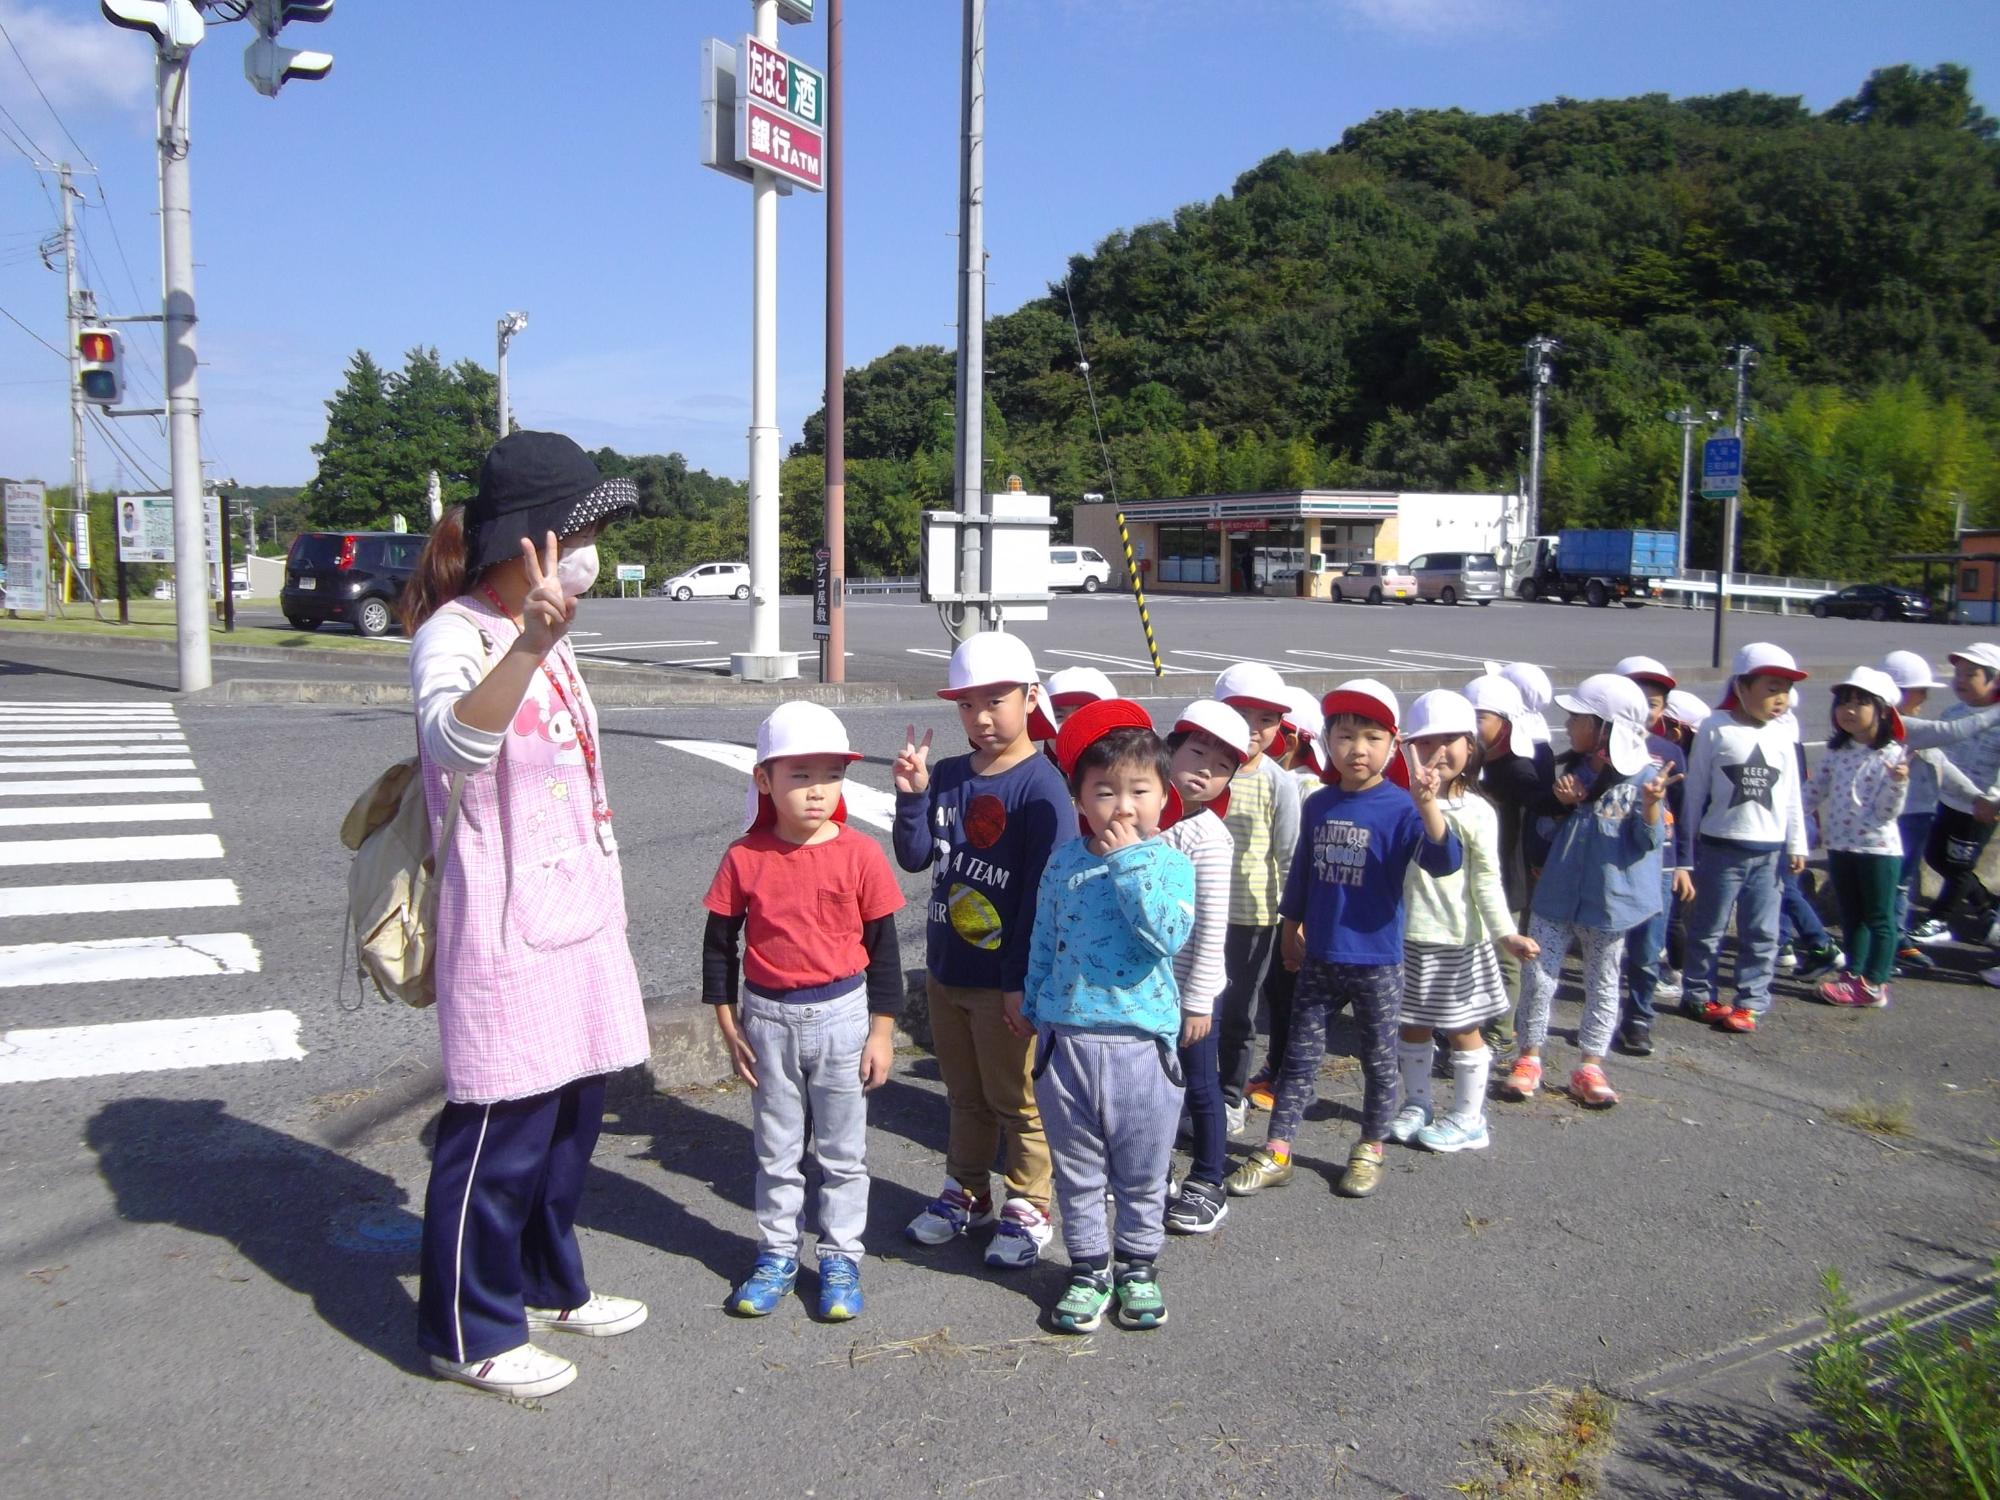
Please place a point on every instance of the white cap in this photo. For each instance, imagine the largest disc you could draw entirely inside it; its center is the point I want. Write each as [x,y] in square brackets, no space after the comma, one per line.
[1219,720]
[1873,680]
[1621,704]
[1494,694]
[1909,670]
[1687,708]
[1537,692]
[1364,696]
[1079,685]
[1302,713]
[1645,669]
[1441,711]
[991,658]
[1251,684]
[1762,659]
[1979,654]
[803,729]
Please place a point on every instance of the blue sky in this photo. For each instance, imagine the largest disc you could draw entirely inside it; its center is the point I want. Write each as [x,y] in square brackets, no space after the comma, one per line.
[463,159]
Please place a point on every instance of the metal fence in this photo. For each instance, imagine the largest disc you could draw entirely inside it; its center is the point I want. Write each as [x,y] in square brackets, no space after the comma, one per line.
[882,585]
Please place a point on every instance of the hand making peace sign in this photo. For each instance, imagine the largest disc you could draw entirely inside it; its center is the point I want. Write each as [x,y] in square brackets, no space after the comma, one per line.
[546,612]
[1655,789]
[913,768]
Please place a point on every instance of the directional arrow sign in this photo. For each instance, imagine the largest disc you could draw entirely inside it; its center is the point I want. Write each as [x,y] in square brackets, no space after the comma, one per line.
[1721,468]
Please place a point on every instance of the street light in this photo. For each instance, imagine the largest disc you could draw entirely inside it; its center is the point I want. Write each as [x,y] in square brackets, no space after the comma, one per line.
[510,324]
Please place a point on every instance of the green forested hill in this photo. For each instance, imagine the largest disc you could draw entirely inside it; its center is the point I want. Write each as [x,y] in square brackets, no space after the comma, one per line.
[1356,316]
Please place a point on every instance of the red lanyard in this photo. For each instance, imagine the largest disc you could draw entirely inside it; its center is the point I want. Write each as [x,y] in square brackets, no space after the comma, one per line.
[600,804]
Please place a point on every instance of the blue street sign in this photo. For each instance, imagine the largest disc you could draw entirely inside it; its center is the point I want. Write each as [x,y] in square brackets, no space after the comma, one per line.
[1721,467]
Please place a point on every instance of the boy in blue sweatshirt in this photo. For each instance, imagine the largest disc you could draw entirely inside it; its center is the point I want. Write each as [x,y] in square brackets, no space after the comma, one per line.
[1113,909]
[1343,932]
[985,823]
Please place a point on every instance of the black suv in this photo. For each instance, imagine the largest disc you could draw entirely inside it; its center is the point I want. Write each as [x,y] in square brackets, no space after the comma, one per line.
[354,576]
[1873,601]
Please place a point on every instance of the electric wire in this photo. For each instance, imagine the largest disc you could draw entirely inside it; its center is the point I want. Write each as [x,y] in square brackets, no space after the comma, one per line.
[1090,389]
[111,436]
[45,98]
[33,335]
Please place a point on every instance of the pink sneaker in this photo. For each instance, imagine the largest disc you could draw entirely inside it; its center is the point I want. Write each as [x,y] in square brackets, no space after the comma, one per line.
[1860,995]
[1589,1087]
[1842,989]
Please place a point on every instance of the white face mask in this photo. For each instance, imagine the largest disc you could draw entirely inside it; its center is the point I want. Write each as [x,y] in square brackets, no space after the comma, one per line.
[576,569]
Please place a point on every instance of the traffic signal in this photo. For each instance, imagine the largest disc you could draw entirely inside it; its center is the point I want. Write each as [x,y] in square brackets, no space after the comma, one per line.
[102,355]
[267,65]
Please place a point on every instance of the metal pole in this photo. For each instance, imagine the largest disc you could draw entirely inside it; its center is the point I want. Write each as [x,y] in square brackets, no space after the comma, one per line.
[833,665]
[79,457]
[970,436]
[1539,348]
[500,382]
[1745,356]
[228,570]
[763,662]
[183,390]
[1685,416]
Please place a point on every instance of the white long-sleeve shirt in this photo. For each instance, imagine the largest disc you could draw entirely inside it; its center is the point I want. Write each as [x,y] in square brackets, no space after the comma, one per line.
[1743,784]
[1978,758]
[1198,967]
[1468,906]
[1856,800]
[448,657]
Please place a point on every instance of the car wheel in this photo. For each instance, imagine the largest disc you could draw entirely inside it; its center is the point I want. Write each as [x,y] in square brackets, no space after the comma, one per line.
[1090,584]
[1596,595]
[373,618]
[1484,602]
[1819,609]
[1879,613]
[1527,590]
[1374,596]
[683,593]
[1449,596]
[1338,597]
[742,591]
[1634,603]
[298,622]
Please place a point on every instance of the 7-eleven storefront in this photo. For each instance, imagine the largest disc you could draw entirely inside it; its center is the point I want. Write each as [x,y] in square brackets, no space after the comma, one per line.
[1255,544]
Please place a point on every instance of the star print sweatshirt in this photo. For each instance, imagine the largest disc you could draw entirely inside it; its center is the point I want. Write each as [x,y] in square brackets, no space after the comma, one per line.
[1743,785]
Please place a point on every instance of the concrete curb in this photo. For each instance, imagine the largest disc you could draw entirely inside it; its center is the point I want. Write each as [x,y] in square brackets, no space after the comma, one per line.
[220,650]
[687,1051]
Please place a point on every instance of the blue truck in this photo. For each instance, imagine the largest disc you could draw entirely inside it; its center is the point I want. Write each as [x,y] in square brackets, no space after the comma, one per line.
[1597,567]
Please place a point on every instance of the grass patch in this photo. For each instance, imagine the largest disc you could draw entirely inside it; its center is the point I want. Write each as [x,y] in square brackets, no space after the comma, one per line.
[1554,1450]
[1890,1117]
[153,620]
[1915,1418]
[1006,1357]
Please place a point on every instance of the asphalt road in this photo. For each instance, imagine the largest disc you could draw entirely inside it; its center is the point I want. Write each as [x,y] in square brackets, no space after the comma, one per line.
[202,1297]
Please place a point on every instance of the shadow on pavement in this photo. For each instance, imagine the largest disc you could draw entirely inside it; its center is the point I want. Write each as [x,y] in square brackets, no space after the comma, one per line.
[1695,1450]
[278,1200]
[9,668]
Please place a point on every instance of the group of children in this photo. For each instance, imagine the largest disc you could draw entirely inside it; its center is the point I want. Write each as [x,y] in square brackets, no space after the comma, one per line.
[1110,905]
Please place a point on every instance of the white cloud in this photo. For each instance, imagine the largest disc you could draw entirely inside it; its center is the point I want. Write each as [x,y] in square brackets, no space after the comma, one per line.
[80,62]
[1430,18]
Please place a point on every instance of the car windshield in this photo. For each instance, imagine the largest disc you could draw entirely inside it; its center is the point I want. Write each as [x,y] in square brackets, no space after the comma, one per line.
[1484,561]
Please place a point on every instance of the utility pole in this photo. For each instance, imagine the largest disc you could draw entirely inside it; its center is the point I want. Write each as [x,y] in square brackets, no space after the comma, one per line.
[1540,347]
[833,662]
[969,442]
[79,457]
[1687,421]
[183,383]
[510,324]
[1743,359]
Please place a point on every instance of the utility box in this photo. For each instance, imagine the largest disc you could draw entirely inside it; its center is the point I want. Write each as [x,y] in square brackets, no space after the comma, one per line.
[1014,543]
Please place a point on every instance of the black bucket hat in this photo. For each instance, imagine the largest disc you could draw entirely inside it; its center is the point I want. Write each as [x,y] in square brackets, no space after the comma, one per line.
[533,483]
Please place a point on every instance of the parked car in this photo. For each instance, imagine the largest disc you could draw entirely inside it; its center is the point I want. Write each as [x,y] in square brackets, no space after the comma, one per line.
[1447,577]
[1375,583]
[724,580]
[1078,568]
[354,576]
[1873,601]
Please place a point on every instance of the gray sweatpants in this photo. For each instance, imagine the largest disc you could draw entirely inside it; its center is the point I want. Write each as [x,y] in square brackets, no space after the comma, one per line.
[1109,1107]
[809,1054]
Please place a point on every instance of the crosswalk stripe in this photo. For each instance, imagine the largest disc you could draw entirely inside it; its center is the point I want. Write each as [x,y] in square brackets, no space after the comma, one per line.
[132,714]
[117,960]
[22,853]
[43,766]
[123,895]
[865,804]
[79,737]
[117,812]
[85,786]
[38,1056]
[83,703]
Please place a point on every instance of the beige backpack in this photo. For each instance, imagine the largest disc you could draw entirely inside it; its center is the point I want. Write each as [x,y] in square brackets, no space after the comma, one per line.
[392,882]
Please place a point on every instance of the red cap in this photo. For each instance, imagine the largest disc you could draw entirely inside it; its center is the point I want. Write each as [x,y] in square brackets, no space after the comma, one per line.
[1091,723]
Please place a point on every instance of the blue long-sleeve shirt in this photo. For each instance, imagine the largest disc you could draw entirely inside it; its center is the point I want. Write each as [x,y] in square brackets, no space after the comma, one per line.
[1106,932]
[986,838]
[1604,863]
[1346,882]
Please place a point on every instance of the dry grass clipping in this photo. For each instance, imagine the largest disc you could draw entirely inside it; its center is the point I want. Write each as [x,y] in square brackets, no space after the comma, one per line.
[1554,1450]
[1875,1117]
[1005,1358]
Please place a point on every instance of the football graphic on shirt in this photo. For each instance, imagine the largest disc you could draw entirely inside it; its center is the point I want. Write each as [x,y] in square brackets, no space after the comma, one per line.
[985,821]
[973,917]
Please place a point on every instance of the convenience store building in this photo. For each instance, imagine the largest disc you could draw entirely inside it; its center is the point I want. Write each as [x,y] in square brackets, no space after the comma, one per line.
[1258,543]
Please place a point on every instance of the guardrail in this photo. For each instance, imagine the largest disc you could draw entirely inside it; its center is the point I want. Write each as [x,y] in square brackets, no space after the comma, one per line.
[1750,591]
[882,585]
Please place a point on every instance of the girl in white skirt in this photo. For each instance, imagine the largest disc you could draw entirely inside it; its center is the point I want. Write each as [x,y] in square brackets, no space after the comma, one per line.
[1451,974]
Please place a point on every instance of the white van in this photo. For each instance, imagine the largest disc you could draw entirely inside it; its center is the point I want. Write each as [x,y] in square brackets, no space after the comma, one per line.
[1078,568]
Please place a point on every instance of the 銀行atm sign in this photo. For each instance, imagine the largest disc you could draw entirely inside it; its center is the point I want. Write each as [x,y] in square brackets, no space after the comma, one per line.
[784,83]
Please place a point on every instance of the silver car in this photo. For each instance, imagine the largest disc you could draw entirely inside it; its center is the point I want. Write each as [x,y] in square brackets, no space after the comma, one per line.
[1447,577]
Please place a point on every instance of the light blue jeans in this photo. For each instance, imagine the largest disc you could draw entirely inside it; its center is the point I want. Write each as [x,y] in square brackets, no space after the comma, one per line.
[1746,882]
[809,1058]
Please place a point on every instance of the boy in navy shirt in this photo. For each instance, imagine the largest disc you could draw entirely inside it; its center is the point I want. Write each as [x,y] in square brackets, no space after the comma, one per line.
[1343,914]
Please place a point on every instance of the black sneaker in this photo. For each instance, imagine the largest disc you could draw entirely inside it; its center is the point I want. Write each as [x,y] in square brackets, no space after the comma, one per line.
[1910,959]
[1635,1039]
[1200,1207]
[1816,963]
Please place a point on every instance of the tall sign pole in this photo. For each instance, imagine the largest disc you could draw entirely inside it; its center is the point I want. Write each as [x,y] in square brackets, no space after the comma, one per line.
[1722,463]
[969,439]
[183,384]
[79,456]
[833,660]
[1540,348]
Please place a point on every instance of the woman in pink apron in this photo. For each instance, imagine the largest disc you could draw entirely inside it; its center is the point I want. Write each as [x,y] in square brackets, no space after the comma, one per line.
[537,996]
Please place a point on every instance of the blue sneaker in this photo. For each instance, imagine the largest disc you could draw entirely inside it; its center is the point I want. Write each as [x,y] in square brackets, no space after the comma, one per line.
[769,1283]
[839,1288]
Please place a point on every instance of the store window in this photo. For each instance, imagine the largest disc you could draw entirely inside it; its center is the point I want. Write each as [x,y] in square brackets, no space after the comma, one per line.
[1190,554]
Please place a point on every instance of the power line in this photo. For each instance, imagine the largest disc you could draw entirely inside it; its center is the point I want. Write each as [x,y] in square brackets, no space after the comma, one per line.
[38,155]
[45,99]
[34,335]
[111,437]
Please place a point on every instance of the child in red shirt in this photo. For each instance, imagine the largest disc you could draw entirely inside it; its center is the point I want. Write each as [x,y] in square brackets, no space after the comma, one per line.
[823,983]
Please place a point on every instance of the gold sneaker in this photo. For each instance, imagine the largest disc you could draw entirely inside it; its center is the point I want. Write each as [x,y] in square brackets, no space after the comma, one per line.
[1262,1170]
[1364,1171]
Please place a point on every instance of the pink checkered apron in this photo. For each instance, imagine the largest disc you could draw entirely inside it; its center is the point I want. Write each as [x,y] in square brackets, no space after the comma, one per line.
[535,980]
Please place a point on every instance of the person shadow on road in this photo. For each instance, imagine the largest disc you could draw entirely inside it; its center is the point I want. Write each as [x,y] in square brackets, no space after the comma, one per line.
[307,1217]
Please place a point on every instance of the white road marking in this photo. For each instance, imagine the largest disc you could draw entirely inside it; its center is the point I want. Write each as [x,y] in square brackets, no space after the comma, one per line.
[118,960]
[89,786]
[864,803]
[931,651]
[1449,655]
[637,646]
[123,895]
[100,717]
[1125,663]
[22,853]
[40,1056]
[117,812]
[43,767]
[79,703]
[1228,658]
[1349,659]
[78,736]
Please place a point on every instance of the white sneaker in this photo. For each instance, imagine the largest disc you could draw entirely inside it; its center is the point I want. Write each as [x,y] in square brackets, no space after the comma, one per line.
[1669,987]
[520,1374]
[949,1215]
[1017,1243]
[1233,1118]
[1991,976]
[598,1318]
